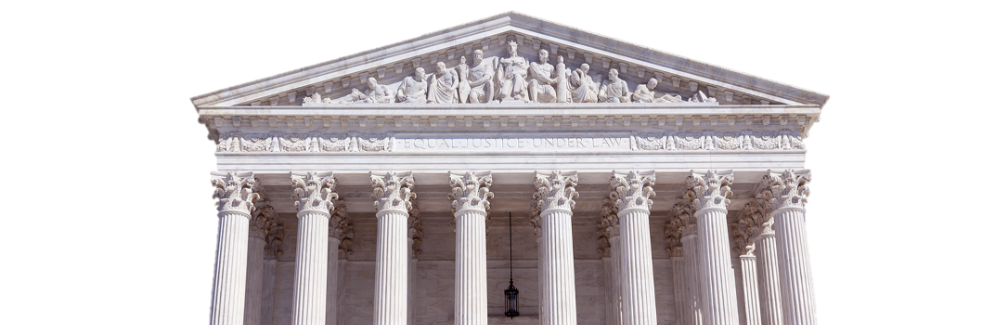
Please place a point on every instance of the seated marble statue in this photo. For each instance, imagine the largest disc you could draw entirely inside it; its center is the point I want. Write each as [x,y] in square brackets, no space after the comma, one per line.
[412,90]
[443,85]
[541,87]
[701,97]
[615,90]
[583,89]
[375,94]
[463,88]
[512,75]
[481,80]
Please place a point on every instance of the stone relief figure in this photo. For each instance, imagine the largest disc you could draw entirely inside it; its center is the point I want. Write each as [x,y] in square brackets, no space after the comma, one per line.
[583,88]
[615,90]
[376,94]
[482,87]
[316,98]
[540,88]
[512,75]
[412,90]
[645,93]
[701,97]
[443,85]
[463,71]
[563,78]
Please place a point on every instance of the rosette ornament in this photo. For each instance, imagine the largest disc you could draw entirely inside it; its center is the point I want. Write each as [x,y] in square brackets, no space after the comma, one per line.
[709,190]
[788,190]
[236,192]
[314,192]
[392,192]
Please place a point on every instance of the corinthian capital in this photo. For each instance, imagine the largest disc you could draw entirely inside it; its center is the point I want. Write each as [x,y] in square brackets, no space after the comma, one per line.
[262,221]
[470,192]
[555,191]
[314,192]
[787,190]
[634,191]
[392,192]
[709,190]
[236,192]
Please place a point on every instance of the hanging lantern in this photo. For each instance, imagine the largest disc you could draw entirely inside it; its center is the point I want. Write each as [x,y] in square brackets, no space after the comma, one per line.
[511,294]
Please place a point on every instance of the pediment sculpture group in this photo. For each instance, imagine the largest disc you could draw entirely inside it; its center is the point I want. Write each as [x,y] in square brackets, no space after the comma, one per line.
[510,79]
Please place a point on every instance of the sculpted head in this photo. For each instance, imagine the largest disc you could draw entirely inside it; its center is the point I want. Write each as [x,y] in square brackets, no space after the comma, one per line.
[560,59]
[544,56]
[440,67]
[372,83]
[513,48]
[613,75]
[463,59]
[585,67]
[420,74]
[651,83]
[478,55]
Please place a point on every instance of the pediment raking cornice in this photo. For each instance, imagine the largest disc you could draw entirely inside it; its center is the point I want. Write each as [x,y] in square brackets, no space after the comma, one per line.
[638,64]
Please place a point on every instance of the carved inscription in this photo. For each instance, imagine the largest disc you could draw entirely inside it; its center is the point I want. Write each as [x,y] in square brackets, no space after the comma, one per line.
[538,143]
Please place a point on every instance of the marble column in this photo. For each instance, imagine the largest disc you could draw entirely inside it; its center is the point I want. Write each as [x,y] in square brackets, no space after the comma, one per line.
[470,206]
[684,215]
[392,194]
[236,193]
[537,224]
[554,196]
[274,245]
[609,234]
[748,269]
[313,196]
[769,294]
[415,242]
[338,229]
[672,235]
[787,192]
[710,192]
[633,200]
[259,227]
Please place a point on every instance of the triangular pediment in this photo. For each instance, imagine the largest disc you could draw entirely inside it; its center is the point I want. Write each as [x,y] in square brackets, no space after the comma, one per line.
[331,82]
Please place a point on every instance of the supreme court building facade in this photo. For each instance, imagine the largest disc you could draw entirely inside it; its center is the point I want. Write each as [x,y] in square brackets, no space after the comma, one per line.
[642,188]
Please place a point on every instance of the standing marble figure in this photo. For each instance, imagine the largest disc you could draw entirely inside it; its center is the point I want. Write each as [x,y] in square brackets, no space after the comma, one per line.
[540,88]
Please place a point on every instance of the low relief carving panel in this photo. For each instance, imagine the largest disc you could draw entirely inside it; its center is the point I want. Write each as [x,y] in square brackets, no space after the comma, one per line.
[690,141]
[305,142]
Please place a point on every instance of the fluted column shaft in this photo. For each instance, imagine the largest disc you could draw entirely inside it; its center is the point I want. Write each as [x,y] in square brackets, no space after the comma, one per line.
[332,282]
[639,304]
[616,285]
[254,280]
[471,300]
[799,307]
[559,274]
[769,295]
[719,294]
[544,308]
[311,268]
[748,271]
[678,276]
[412,265]
[229,292]
[269,290]
[693,291]
[391,274]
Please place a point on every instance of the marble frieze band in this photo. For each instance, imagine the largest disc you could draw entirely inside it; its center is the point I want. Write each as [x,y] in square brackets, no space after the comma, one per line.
[317,142]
